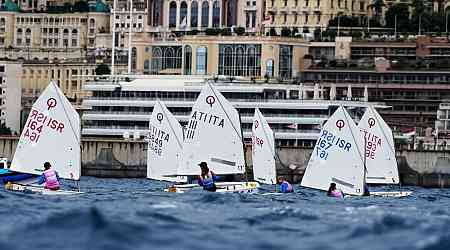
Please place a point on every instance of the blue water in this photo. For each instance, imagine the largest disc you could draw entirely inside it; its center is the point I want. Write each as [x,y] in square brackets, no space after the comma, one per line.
[135,214]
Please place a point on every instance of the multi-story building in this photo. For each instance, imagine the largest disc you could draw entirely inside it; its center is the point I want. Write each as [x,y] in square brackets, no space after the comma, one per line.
[308,15]
[33,34]
[244,56]
[10,94]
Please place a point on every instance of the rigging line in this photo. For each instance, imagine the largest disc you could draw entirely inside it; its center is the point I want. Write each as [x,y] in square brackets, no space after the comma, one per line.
[228,117]
[65,112]
[354,138]
[170,124]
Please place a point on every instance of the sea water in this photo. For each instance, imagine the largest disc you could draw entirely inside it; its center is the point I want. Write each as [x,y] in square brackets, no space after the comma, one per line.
[136,214]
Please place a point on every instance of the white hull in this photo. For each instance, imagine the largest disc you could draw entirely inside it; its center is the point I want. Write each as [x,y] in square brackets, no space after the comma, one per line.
[222,187]
[37,190]
[397,194]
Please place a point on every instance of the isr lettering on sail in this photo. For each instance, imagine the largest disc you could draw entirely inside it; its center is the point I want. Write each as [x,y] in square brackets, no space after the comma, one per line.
[36,123]
[327,141]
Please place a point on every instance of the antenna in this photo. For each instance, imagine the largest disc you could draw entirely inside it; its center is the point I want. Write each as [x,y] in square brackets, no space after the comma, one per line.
[129,37]
[113,47]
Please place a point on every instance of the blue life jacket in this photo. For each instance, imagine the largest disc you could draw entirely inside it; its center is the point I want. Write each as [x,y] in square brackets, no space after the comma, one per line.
[208,183]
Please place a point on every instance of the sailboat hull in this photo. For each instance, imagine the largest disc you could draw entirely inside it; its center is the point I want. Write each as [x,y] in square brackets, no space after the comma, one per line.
[222,187]
[397,194]
[16,187]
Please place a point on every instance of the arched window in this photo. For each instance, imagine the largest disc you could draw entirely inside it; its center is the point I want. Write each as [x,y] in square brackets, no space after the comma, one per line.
[156,60]
[19,31]
[251,60]
[205,14]
[28,32]
[240,61]
[194,14]
[74,31]
[168,58]
[173,14]
[269,68]
[202,60]
[187,60]
[216,14]
[183,14]
[178,58]
[228,64]
[285,67]
[91,22]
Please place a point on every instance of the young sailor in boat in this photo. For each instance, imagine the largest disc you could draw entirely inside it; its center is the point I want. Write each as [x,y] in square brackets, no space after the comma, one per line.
[49,177]
[285,187]
[334,192]
[366,190]
[207,178]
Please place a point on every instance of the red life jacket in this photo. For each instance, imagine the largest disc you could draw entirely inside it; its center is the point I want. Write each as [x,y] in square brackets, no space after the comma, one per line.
[51,180]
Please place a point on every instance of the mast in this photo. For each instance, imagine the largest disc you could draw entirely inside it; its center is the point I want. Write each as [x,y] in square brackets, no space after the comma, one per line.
[113,47]
[129,37]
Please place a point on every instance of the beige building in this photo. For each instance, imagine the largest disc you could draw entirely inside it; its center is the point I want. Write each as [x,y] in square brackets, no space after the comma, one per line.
[10,94]
[35,76]
[37,35]
[243,56]
[308,15]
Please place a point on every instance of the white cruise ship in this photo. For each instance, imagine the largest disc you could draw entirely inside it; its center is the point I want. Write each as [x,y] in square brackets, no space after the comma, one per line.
[295,112]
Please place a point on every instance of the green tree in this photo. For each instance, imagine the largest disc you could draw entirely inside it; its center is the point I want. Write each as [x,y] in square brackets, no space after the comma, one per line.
[377,7]
[402,13]
[5,130]
[102,69]
[285,31]
[273,32]
[239,31]
[81,6]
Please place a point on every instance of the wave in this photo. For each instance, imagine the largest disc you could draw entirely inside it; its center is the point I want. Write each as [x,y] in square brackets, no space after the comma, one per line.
[383,224]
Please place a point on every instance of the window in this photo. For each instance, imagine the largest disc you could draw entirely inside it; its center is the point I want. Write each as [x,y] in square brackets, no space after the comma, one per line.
[172,14]
[216,14]
[205,14]
[239,60]
[146,66]
[201,60]
[166,57]
[187,60]
[194,14]
[285,67]
[183,14]
[269,68]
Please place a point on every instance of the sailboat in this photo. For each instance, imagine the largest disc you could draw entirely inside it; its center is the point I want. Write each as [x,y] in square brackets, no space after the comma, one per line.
[337,157]
[263,150]
[51,134]
[165,145]
[214,135]
[381,163]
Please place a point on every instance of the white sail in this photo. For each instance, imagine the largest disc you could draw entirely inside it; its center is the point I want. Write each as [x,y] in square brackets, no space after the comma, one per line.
[337,156]
[165,144]
[213,135]
[263,150]
[51,133]
[381,163]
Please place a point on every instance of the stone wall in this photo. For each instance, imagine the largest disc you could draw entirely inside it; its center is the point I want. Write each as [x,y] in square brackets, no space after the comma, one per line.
[120,158]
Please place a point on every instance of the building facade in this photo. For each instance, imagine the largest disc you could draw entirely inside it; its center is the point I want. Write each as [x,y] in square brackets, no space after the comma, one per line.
[10,95]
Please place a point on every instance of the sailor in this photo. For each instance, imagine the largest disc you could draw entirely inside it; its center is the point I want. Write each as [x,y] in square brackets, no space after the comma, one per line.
[366,190]
[285,187]
[334,192]
[207,178]
[49,177]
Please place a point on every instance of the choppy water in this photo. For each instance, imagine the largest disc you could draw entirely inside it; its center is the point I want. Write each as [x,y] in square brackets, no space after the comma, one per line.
[135,214]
